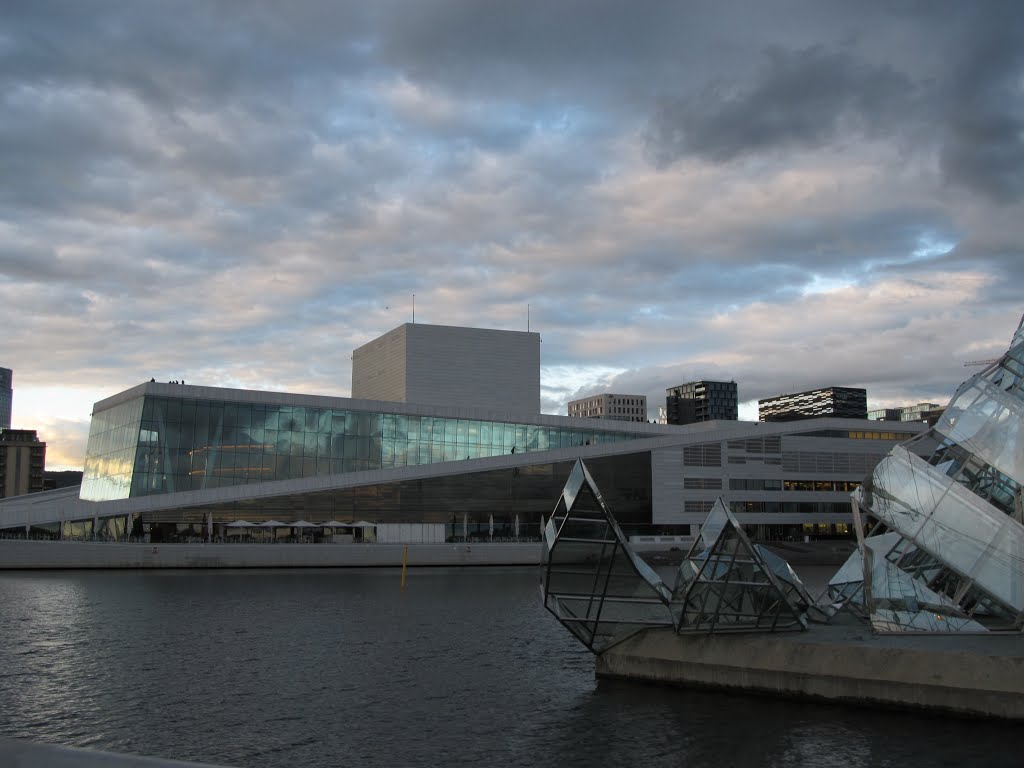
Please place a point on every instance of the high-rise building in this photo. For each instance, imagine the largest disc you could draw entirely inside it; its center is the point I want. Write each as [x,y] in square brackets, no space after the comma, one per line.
[702,401]
[609,406]
[451,366]
[22,462]
[6,397]
[844,402]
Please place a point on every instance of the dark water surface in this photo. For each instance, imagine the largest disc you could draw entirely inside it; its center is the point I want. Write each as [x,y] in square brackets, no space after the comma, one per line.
[339,668]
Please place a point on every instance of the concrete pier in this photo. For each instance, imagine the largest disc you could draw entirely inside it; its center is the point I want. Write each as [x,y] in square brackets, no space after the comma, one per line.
[971,675]
[20,554]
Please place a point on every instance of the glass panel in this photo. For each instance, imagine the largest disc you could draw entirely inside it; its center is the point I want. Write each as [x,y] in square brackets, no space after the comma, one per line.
[988,421]
[271,419]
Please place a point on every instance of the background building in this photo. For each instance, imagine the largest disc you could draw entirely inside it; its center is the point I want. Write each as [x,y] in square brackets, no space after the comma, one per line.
[22,462]
[844,402]
[928,413]
[6,397]
[703,400]
[446,365]
[609,406]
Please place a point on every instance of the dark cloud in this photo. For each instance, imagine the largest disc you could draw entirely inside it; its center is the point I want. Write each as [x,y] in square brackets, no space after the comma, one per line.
[798,99]
[983,146]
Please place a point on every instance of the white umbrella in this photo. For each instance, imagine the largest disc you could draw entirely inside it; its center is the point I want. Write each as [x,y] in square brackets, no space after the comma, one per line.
[515,527]
[465,526]
[273,524]
[241,524]
[490,526]
[335,524]
[301,524]
[363,524]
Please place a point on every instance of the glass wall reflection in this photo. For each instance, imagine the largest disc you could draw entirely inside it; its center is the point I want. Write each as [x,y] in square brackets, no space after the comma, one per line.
[164,444]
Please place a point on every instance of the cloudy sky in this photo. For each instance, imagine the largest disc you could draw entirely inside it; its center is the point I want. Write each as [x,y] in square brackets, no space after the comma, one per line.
[788,194]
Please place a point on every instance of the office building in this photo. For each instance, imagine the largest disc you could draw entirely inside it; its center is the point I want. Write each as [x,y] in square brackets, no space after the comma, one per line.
[6,397]
[843,402]
[445,365]
[699,401]
[929,413]
[22,462]
[609,406]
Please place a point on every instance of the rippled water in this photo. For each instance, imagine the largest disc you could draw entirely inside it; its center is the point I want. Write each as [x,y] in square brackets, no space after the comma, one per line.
[340,668]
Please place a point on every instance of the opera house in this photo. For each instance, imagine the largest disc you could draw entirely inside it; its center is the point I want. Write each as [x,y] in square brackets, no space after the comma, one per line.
[442,440]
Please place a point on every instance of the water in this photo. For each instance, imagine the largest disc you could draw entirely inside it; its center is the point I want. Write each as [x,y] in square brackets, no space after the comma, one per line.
[339,668]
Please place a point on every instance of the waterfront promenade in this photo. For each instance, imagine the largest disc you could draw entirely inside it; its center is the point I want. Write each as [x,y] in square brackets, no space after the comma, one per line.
[21,554]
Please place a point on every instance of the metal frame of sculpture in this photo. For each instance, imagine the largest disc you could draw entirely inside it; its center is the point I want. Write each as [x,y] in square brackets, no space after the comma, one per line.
[727,584]
[591,579]
[603,592]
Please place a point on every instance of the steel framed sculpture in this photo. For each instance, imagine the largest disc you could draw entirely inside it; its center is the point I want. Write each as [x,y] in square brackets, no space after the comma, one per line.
[728,584]
[603,592]
[940,539]
[591,579]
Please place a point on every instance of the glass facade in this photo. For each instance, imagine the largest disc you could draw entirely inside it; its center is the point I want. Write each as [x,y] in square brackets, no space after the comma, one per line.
[109,457]
[468,499]
[158,444]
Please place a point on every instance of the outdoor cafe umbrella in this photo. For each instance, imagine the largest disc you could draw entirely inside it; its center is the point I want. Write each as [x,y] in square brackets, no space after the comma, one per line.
[335,524]
[301,524]
[363,524]
[515,527]
[241,524]
[272,524]
[490,526]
